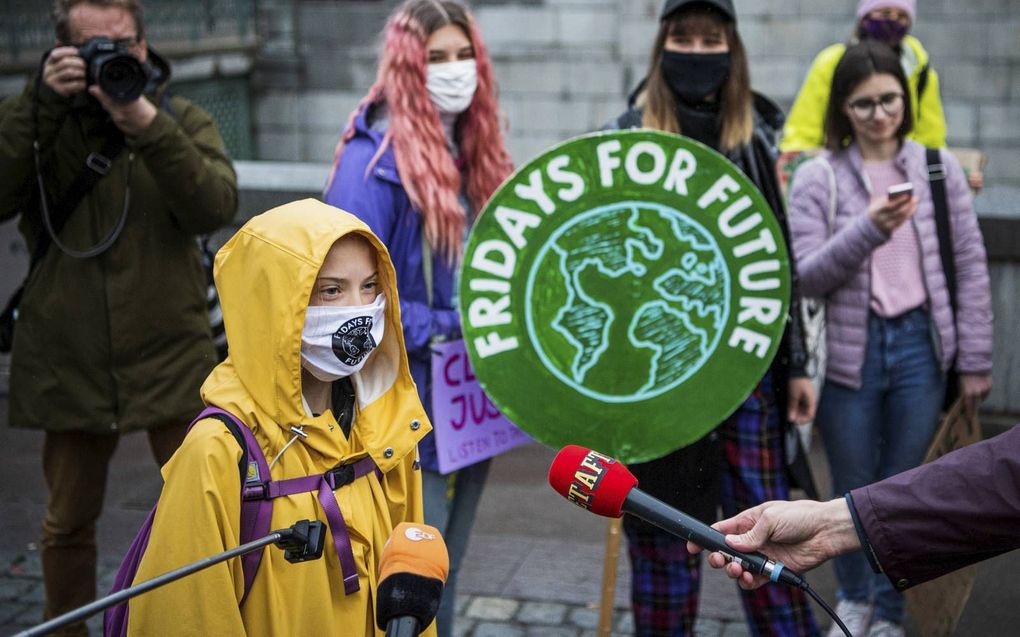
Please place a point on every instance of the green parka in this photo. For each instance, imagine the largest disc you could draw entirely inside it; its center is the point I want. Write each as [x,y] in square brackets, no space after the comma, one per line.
[120,341]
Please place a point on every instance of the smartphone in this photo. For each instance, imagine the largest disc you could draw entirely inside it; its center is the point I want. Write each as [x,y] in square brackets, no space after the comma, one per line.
[896,191]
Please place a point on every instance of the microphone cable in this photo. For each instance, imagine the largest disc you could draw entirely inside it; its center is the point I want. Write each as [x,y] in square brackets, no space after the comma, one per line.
[603,486]
[828,609]
[794,579]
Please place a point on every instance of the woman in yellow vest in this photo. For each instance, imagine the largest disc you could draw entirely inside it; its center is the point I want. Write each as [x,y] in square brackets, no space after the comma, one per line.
[889,21]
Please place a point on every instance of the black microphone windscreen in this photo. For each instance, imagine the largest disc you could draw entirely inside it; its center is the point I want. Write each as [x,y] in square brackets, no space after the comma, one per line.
[407,595]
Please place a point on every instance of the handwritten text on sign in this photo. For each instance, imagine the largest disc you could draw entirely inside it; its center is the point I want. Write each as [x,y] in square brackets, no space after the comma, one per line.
[468,426]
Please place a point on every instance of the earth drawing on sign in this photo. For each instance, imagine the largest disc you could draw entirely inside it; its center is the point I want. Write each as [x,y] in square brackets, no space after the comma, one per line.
[662,329]
[625,291]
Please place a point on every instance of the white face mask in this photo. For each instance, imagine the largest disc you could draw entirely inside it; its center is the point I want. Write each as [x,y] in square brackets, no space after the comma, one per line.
[337,340]
[452,85]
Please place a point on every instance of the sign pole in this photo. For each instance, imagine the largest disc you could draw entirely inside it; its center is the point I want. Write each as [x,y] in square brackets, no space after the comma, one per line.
[609,577]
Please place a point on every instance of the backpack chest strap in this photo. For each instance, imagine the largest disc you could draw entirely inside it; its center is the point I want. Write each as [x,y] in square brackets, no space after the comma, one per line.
[335,478]
[324,484]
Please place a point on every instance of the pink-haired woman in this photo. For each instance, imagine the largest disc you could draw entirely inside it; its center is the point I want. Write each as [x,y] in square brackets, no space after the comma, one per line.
[418,158]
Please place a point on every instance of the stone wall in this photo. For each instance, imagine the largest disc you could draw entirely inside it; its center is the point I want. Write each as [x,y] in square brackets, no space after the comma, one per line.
[565,67]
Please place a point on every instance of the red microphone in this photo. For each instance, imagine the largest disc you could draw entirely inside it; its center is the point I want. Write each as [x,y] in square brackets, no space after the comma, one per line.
[592,481]
[602,485]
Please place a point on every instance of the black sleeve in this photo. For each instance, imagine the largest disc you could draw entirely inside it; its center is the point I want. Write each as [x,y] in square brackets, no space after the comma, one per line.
[794,350]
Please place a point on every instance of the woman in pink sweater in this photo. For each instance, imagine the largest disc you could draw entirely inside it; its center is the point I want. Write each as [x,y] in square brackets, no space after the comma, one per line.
[892,331]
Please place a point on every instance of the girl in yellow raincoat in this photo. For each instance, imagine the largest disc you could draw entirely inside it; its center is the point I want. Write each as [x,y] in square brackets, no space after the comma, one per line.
[289,280]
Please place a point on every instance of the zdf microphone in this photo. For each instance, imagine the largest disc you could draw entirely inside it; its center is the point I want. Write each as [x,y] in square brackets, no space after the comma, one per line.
[602,485]
[412,572]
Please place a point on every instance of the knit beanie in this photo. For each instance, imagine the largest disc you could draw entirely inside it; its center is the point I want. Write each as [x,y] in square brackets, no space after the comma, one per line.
[864,7]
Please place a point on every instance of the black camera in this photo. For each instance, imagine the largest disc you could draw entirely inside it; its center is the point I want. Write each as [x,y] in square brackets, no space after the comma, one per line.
[110,65]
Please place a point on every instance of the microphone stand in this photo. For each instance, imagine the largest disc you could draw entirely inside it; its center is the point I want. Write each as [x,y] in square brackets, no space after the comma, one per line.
[301,542]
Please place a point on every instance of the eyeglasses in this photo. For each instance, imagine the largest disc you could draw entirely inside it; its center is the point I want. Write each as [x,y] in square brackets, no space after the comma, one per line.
[863,108]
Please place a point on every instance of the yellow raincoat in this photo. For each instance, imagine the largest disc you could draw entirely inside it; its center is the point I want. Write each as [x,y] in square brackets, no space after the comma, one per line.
[265,275]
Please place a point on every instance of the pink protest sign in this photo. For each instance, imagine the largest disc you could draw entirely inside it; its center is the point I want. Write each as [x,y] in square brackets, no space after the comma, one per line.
[468,426]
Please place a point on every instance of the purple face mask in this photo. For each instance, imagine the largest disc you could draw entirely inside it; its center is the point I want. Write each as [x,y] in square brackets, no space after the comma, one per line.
[889,31]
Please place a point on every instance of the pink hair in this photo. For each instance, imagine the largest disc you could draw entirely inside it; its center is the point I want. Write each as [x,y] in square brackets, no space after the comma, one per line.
[427,170]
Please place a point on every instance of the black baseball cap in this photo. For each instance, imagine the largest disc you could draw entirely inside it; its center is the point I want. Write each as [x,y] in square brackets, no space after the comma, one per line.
[723,6]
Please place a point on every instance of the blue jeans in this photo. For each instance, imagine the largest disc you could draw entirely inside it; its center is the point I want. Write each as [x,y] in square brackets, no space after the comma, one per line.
[880,430]
[450,505]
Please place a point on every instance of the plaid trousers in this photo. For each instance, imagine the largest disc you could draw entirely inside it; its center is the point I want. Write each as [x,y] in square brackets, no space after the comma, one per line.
[665,578]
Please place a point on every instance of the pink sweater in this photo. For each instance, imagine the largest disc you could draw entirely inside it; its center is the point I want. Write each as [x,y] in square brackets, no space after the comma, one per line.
[897,282]
[834,263]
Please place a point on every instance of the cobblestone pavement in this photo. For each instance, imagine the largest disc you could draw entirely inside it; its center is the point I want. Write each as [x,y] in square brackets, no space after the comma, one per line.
[535,573]
[21,603]
[482,616]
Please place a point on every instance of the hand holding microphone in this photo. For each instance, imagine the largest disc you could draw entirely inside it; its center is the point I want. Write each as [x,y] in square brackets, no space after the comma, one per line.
[412,572]
[603,486]
[802,534]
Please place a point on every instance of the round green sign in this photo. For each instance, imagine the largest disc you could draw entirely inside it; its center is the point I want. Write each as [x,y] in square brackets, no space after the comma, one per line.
[624,291]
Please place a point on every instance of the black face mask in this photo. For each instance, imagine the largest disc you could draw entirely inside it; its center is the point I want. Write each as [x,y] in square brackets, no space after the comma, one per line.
[694,76]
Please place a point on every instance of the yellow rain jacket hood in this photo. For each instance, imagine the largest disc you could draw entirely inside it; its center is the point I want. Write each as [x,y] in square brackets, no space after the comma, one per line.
[265,275]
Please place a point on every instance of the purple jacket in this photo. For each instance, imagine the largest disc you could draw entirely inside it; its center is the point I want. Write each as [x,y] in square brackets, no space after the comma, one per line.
[836,264]
[947,514]
[379,199]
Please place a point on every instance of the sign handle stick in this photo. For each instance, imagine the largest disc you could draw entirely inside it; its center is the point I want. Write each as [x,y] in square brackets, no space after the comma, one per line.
[609,577]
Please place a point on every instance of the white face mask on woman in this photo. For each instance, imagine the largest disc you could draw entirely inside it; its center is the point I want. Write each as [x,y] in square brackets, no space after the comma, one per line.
[336,340]
[452,85]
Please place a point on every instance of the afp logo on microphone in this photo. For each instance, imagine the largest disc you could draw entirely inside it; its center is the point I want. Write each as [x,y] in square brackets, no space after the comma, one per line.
[587,477]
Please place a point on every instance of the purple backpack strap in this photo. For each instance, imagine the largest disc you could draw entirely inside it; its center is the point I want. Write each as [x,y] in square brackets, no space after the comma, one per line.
[325,484]
[115,619]
[257,494]
[256,512]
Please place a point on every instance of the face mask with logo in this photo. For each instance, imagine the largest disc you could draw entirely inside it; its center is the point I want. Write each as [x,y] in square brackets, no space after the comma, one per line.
[694,76]
[337,340]
[891,32]
[452,85]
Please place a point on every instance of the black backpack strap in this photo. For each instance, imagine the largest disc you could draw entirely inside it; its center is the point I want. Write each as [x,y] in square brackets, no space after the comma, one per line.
[937,179]
[922,82]
[97,166]
[242,464]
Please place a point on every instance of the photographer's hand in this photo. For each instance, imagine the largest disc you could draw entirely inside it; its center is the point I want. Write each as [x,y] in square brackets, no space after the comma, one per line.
[64,71]
[131,118]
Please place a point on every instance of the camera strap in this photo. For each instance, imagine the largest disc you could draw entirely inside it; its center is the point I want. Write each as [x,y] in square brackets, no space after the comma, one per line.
[97,166]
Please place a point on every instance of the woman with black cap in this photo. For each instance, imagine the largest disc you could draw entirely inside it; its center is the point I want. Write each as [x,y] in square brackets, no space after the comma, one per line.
[698,85]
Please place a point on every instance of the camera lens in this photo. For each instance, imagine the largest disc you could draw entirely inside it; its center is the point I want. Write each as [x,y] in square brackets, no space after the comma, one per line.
[122,78]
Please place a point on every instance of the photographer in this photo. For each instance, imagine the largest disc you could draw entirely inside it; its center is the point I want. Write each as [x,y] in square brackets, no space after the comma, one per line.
[112,333]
